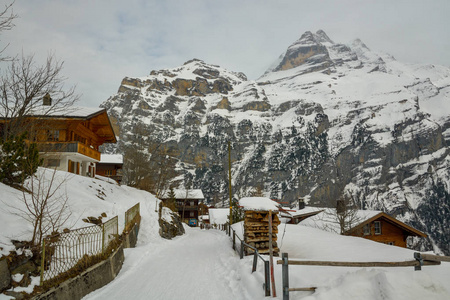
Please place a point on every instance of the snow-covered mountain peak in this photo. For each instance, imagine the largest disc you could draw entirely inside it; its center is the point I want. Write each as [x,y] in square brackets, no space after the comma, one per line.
[322,37]
[327,119]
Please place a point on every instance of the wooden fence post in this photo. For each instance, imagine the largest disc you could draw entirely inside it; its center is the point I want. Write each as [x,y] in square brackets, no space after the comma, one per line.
[241,254]
[272,275]
[42,262]
[285,276]
[234,240]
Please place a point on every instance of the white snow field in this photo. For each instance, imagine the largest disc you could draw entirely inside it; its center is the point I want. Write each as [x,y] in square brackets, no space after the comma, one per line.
[202,265]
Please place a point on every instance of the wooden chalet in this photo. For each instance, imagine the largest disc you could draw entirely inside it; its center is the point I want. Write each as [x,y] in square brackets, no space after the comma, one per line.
[384,229]
[110,165]
[373,225]
[187,202]
[69,140]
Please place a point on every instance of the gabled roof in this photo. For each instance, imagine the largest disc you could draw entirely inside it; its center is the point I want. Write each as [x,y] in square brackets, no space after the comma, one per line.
[181,194]
[382,215]
[98,117]
[327,220]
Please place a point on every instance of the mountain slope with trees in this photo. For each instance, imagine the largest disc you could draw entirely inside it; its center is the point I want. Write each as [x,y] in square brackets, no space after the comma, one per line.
[327,121]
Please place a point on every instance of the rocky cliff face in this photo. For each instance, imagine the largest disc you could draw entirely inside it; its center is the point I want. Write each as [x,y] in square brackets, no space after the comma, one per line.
[328,119]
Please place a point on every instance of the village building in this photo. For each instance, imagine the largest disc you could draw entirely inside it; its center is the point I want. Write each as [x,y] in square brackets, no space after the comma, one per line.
[187,203]
[373,225]
[218,216]
[295,216]
[69,140]
[110,165]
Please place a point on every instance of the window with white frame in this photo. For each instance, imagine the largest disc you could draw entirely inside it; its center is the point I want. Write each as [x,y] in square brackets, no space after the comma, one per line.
[377,227]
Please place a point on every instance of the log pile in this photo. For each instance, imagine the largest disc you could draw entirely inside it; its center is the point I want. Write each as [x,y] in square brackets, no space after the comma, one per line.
[256,231]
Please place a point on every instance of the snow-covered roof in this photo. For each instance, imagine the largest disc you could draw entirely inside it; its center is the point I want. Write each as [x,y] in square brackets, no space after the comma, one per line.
[305,211]
[258,204]
[111,158]
[73,112]
[70,112]
[218,215]
[327,220]
[183,194]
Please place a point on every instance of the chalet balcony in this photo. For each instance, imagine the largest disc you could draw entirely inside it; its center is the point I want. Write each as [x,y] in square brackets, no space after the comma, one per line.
[74,147]
[188,208]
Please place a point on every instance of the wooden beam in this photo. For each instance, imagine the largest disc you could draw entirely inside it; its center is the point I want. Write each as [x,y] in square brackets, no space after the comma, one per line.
[410,263]
[431,257]
[308,289]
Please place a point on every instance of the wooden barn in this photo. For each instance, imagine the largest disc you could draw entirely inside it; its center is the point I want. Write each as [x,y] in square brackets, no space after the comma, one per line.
[258,212]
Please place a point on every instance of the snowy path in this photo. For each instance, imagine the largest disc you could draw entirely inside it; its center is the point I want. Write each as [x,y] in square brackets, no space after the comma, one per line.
[198,265]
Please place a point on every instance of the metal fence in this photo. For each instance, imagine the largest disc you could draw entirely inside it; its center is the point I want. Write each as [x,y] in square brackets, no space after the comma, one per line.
[241,250]
[131,213]
[65,251]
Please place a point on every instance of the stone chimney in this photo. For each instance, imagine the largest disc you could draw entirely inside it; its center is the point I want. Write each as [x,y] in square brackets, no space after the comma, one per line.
[47,100]
[301,203]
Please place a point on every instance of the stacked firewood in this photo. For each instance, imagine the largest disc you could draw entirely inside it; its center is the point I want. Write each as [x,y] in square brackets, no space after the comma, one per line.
[256,231]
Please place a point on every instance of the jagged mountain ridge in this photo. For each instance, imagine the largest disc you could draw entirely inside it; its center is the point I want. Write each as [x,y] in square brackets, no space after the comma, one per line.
[327,119]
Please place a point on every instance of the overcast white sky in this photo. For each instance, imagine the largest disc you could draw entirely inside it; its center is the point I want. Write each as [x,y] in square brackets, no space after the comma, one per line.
[101,42]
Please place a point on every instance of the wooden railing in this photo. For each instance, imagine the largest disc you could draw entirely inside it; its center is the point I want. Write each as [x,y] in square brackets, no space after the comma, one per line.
[419,261]
[69,147]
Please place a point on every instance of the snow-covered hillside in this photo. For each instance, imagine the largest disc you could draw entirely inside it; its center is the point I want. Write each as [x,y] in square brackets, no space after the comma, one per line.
[328,120]
[86,197]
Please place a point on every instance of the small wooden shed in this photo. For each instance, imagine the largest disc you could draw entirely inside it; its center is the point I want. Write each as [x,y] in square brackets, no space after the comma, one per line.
[256,223]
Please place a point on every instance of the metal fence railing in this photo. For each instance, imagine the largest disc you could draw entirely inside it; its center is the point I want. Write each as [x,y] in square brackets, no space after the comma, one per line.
[68,250]
[131,213]
[241,250]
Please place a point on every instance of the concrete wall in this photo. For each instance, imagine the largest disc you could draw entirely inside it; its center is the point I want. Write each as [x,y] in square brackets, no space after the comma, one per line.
[130,240]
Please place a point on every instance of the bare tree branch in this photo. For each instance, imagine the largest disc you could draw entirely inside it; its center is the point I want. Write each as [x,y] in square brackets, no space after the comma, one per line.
[6,23]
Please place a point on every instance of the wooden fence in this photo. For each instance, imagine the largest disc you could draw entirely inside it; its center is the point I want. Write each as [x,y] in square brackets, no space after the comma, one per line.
[419,261]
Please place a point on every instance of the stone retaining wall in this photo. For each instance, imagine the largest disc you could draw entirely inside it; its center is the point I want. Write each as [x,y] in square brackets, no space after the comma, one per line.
[94,277]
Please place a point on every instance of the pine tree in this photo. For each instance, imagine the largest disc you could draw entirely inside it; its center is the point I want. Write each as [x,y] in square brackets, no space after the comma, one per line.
[237,213]
[18,160]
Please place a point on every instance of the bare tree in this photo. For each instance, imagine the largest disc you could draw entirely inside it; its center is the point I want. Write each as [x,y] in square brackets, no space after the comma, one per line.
[345,215]
[23,87]
[43,204]
[6,23]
